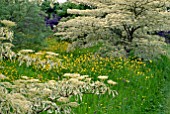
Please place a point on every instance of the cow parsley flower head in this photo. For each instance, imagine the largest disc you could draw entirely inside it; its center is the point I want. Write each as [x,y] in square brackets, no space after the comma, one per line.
[26,51]
[102,77]
[71,75]
[63,99]
[8,23]
[2,76]
[73,104]
[111,82]
[52,53]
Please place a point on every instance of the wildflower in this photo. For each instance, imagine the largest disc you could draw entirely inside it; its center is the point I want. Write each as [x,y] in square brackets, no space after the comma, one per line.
[81,77]
[2,76]
[88,79]
[20,101]
[102,77]
[67,74]
[73,104]
[25,77]
[33,90]
[8,23]
[47,91]
[71,75]
[63,99]
[51,82]
[98,83]
[39,53]
[85,76]
[73,80]
[26,51]
[2,38]
[8,44]
[33,80]
[49,56]
[80,83]
[6,84]
[111,82]
[52,53]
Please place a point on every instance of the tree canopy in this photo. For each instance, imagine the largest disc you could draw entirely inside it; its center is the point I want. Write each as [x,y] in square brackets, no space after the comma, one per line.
[121,23]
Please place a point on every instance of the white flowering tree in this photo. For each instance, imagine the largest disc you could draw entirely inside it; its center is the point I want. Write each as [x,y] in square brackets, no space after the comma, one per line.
[124,24]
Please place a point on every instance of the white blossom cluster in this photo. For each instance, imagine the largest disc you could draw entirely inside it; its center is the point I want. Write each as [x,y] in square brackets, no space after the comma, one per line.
[6,37]
[40,60]
[129,16]
[30,96]
[150,48]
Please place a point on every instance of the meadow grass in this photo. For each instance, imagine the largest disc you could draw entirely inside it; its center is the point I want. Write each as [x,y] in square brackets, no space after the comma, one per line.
[141,84]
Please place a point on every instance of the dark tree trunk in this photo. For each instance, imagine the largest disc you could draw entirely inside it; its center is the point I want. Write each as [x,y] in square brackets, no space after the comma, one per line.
[130,32]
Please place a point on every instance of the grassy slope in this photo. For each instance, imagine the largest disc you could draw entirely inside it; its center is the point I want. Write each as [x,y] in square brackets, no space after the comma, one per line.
[167,103]
[142,95]
[167,85]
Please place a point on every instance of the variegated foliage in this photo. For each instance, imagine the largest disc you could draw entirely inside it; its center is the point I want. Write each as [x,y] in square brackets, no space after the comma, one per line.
[6,37]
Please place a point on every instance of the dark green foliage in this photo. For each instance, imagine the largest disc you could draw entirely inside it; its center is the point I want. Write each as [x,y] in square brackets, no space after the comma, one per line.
[30,27]
[61,9]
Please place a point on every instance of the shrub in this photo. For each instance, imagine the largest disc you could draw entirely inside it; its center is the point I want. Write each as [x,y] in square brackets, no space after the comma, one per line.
[6,38]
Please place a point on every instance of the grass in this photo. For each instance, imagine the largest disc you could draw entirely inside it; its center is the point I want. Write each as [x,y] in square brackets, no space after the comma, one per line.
[141,95]
[142,86]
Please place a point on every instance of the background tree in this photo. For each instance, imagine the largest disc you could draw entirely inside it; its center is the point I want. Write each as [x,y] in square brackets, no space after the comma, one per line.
[30,29]
[124,26]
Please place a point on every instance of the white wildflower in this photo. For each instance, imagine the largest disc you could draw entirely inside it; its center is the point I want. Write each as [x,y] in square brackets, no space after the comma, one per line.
[2,38]
[98,83]
[51,82]
[102,77]
[81,83]
[71,75]
[47,91]
[33,80]
[111,82]
[52,53]
[49,56]
[85,76]
[81,77]
[26,51]
[25,77]
[8,23]
[73,104]
[63,99]
[7,84]
[33,90]
[39,53]
[73,80]
[88,79]
[2,76]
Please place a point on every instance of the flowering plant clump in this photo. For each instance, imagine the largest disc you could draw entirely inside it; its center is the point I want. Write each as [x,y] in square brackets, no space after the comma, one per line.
[30,96]
[6,37]
[40,60]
